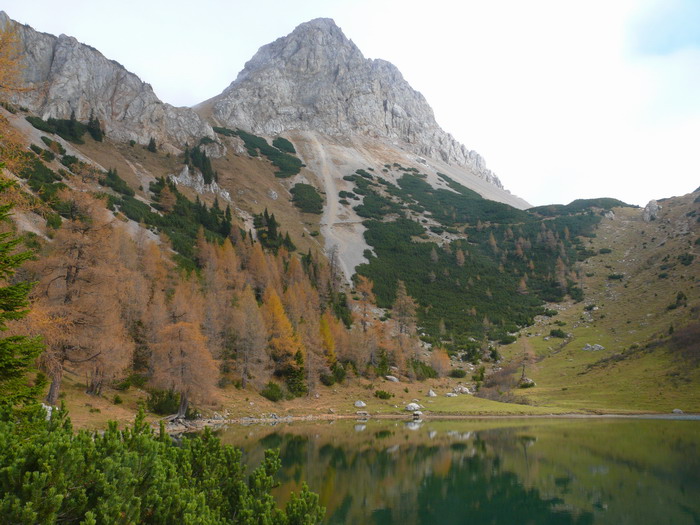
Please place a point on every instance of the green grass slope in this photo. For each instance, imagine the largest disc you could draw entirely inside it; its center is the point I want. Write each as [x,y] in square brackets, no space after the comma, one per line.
[641,304]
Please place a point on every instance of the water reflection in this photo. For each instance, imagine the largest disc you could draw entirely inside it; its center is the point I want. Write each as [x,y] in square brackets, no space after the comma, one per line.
[495,472]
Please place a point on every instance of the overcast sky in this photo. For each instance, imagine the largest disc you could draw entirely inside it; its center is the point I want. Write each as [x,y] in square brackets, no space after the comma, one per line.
[564,99]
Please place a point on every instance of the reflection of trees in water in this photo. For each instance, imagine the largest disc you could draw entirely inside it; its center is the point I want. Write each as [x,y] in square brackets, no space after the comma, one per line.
[476,491]
[460,482]
[564,472]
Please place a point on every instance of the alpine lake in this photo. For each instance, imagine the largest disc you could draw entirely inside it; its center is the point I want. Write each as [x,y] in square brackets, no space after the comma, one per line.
[488,471]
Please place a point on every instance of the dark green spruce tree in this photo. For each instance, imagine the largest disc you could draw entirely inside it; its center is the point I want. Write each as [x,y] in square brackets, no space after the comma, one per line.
[95,128]
[17,353]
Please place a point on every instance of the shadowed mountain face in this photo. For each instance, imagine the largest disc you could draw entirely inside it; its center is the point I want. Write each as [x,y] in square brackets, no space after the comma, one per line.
[316,79]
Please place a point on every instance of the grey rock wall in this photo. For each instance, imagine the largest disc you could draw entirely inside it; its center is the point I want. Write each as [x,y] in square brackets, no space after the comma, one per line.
[64,76]
[315,79]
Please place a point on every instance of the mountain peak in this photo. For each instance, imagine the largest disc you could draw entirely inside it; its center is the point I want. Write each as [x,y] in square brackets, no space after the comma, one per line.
[316,79]
[322,24]
[319,30]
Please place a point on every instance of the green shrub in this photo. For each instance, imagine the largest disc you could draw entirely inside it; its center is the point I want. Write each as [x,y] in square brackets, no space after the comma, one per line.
[135,380]
[478,376]
[114,181]
[69,160]
[133,475]
[40,124]
[163,402]
[339,372]
[68,129]
[306,198]
[327,379]
[117,400]
[383,394]
[294,376]
[284,145]
[54,145]
[225,131]
[287,165]
[686,259]
[197,158]
[458,373]
[616,276]
[53,220]
[558,332]
[603,251]
[9,107]
[422,370]
[272,391]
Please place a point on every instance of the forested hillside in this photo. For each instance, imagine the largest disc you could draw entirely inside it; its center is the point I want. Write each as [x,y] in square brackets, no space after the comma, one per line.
[196,272]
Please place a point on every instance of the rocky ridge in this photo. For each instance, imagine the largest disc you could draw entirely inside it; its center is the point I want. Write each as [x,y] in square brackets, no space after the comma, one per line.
[65,76]
[316,79]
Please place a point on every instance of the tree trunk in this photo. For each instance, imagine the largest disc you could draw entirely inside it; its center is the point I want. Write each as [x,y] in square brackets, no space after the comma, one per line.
[95,383]
[55,388]
[244,374]
[184,402]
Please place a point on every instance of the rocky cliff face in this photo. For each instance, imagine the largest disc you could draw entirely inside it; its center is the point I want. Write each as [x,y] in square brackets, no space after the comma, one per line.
[65,76]
[315,79]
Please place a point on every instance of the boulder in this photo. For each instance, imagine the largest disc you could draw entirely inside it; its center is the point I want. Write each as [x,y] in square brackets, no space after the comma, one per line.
[460,389]
[651,211]
[431,393]
[677,411]
[451,394]
[393,379]
[412,407]
[360,404]
[48,409]
[526,382]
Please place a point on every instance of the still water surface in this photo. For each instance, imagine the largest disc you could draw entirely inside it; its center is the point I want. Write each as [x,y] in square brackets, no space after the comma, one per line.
[536,471]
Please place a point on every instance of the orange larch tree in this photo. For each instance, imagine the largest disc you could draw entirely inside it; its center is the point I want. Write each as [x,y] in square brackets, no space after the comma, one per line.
[250,337]
[182,363]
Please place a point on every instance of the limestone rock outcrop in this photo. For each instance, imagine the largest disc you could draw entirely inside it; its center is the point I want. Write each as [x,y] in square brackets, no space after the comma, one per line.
[651,211]
[316,79]
[65,76]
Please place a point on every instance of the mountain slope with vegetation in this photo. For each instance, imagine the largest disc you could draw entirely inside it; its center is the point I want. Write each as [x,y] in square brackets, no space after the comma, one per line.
[632,343]
[207,275]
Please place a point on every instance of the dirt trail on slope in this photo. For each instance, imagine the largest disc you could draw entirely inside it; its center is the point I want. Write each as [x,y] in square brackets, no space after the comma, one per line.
[339,228]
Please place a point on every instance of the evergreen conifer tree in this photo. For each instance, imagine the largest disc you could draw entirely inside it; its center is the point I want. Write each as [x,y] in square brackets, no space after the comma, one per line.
[94,128]
[17,353]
